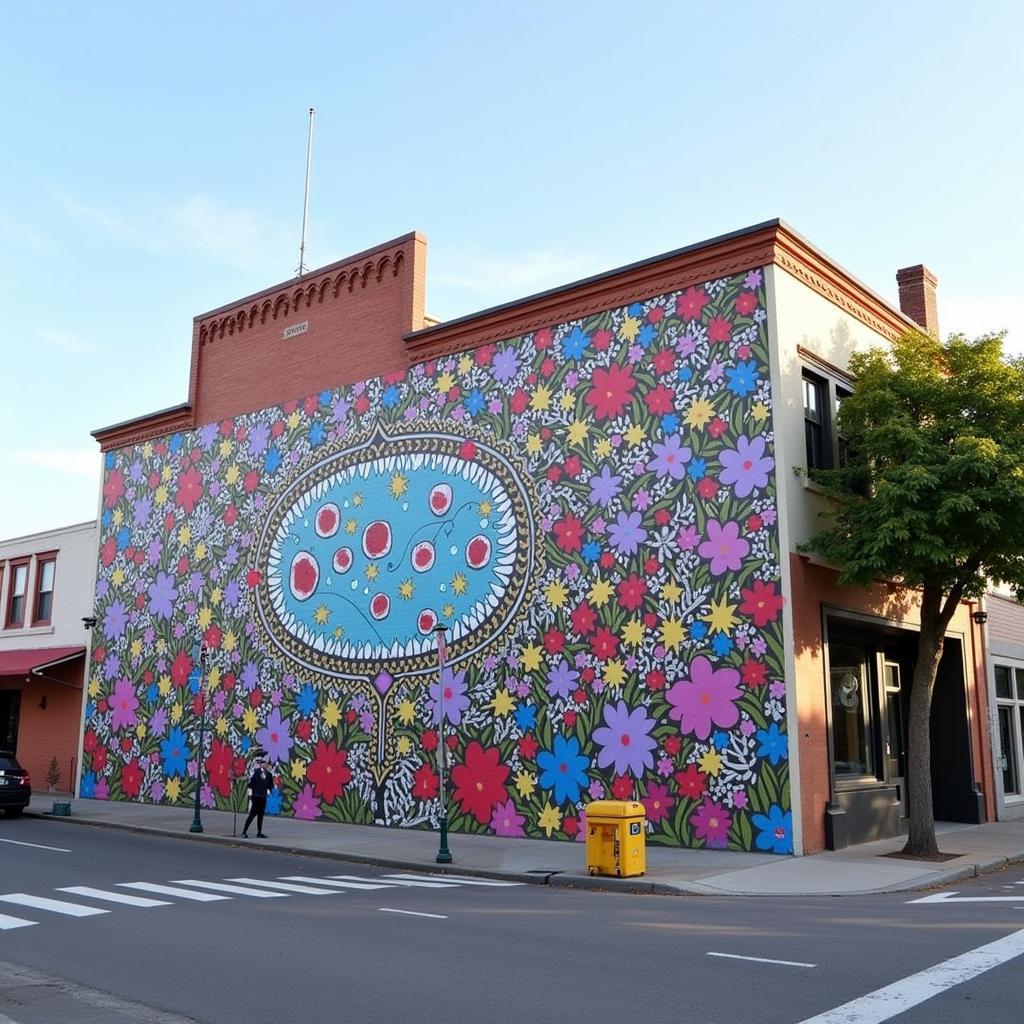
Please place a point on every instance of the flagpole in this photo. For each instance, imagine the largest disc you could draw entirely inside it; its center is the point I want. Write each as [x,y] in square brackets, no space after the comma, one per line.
[444,855]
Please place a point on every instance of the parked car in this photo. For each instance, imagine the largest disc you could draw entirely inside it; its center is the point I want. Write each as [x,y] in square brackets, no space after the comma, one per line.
[15,785]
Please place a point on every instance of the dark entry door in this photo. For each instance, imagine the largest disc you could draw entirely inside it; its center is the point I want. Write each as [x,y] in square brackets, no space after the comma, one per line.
[10,706]
[895,735]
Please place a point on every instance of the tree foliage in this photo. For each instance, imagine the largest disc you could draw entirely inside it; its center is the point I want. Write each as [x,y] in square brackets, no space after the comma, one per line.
[932,496]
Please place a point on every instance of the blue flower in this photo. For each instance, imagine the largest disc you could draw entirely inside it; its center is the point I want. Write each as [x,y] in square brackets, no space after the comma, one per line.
[175,443]
[245,744]
[775,830]
[90,709]
[720,739]
[152,692]
[636,309]
[576,344]
[743,378]
[88,787]
[195,679]
[591,551]
[272,460]
[109,461]
[646,335]
[124,536]
[306,701]
[475,402]
[175,752]
[670,423]
[526,716]
[107,517]
[774,744]
[697,469]
[685,373]
[274,801]
[390,397]
[721,644]
[325,397]
[316,433]
[563,769]
[699,630]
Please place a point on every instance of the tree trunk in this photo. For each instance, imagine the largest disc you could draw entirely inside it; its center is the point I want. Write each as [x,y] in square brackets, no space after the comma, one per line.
[921,839]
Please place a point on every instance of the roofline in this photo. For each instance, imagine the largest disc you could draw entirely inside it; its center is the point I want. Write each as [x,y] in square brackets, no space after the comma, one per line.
[91,523]
[181,407]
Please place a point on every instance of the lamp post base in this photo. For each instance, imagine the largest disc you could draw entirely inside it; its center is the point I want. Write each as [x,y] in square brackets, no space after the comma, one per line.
[444,855]
[196,826]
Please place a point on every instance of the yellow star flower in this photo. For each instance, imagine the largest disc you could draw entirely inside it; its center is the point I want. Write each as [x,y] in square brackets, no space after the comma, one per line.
[249,720]
[136,648]
[221,726]
[147,450]
[230,641]
[118,516]
[140,730]
[176,713]
[555,594]
[578,431]
[371,572]
[566,401]
[184,535]
[173,789]
[532,655]
[298,770]
[459,583]
[633,633]
[351,526]
[672,633]
[399,485]
[339,632]
[630,328]
[406,711]
[445,382]
[601,592]
[225,447]
[465,364]
[635,435]
[200,551]
[357,499]
[603,448]
[759,412]
[161,645]
[671,591]
[232,474]
[721,619]
[294,420]
[485,508]
[164,685]
[213,678]
[321,615]
[406,589]
[448,611]
[550,819]
[532,444]
[117,577]
[502,703]
[166,474]
[94,688]
[404,745]
[710,763]
[614,673]
[332,714]
[205,616]
[525,783]
[541,398]
[216,595]
[160,495]
[699,413]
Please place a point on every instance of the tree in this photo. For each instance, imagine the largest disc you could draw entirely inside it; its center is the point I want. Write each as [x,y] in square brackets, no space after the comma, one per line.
[932,496]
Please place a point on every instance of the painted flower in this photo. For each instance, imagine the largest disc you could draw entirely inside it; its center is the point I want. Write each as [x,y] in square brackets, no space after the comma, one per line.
[747,467]
[480,781]
[113,488]
[691,782]
[604,487]
[507,821]
[306,806]
[220,767]
[711,823]
[761,603]
[452,689]
[114,620]
[670,458]
[425,783]
[175,752]
[275,737]
[775,830]
[611,392]
[131,778]
[123,704]
[563,769]
[162,594]
[562,679]
[658,802]
[190,489]
[626,534]
[625,739]
[328,770]
[773,744]
[707,698]
[724,546]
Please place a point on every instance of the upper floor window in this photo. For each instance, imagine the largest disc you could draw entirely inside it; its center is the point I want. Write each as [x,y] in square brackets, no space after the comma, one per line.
[17,594]
[823,397]
[45,571]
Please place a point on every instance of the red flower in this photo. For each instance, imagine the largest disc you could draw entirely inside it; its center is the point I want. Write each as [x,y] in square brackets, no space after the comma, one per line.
[658,802]
[528,747]
[754,523]
[662,516]
[570,719]
[753,673]
[329,771]
[719,329]
[605,644]
[579,695]
[717,427]
[230,515]
[746,303]
[584,618]
[631,592]
[467,450]
[483,357]
[212,636]
[707,487]
[131,778]
[655,679]
[569,533]
[518,402]
[180,668]
[252,481]
[663,361]
[99,758]
[660,401]
[426,784]
[304,730]
[253,578]
[692,303]
[480,781]
[554,641]
[573,465]
[190,489]
[428,741]
[761,602]
[691,783]
[256,698]
[673,744]
[109,551]
[310,403]
[570,826]
[91,741]
[220,767]
[113,488]
[554,474]
[655,314]
[612,390]
[622,788]
[601,339]
[362,404]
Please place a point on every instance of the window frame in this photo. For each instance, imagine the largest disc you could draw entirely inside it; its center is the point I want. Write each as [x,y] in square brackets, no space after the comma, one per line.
[43,559]
[13,566]
[1014,704]
[832,385]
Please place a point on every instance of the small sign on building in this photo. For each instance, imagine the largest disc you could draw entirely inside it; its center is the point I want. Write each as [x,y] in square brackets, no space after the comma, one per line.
[295,330]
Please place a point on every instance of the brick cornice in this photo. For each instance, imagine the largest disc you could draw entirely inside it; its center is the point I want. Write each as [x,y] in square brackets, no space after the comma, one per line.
[145,428]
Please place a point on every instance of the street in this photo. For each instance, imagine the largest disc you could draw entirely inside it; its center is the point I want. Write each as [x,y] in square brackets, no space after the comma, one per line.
[99,925]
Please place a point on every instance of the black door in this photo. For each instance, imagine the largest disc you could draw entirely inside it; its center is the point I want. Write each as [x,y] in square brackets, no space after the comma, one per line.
[10,706]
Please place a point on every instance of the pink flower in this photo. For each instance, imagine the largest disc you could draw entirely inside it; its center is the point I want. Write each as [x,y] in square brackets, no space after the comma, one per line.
[506,820]
[724,547]
[658,802]
[306,805]
[711,823]
[707,697]
[123,703]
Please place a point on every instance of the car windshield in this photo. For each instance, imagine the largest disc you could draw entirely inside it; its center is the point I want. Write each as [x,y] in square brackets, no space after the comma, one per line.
[7,763]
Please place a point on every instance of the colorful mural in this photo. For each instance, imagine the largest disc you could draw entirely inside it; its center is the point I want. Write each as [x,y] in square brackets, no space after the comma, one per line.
[588,509]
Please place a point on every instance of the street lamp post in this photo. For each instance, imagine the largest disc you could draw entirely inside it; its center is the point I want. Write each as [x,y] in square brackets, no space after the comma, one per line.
[444,855]
[197,821]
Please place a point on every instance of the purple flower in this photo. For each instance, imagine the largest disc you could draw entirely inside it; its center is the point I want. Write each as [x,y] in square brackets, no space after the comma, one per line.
[123,703]
[259,437]
[507,821]
[275,737]
[155,549]
[161,596]
[562,680]
[604,487]
[114,620]
[306,805]
[747,467]
[455,699]
[724,547]
[670,458]
[688,537]
[711,823]
[625,739]
[505,364]
[249,676]
[707,698]
[141,510]
[626,535]
[158,722]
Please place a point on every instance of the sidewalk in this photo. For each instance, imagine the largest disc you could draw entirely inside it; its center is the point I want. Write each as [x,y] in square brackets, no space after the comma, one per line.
[857,870]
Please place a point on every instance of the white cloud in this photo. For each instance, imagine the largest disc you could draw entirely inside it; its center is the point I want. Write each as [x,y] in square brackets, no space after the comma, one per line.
[974,314]
[68,342]
[71,462]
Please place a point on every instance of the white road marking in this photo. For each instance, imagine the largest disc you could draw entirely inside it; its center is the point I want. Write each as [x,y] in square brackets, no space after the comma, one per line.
[35,846]
[416,882]
[411,913]
[459,880]
[763,960]
[886,1003]
[6,922]
[237,890]
[951,897]
[287,887]
[113,897]
[23,899]
[339,884]
[172,890]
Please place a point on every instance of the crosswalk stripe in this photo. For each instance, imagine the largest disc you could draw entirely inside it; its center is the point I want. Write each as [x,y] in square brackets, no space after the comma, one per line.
[288,887]
[238,890]
[7,922]
[337,883]
[112,897]
[171,890]
[23,899]
[461,880]
[418,883]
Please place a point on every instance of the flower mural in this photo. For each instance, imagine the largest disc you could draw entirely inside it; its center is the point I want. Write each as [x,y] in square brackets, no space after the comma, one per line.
[589,509]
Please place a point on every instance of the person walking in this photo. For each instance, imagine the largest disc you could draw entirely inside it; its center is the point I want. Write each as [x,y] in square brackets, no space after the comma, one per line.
[261,782]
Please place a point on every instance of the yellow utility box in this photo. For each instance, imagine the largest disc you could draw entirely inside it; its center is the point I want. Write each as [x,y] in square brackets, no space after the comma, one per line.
[616,838]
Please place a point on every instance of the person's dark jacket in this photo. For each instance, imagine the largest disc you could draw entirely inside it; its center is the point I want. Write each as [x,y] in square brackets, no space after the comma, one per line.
[261,783]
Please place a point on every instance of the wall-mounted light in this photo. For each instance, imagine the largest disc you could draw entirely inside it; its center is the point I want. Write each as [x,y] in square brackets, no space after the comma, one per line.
[89,621]
[980,617]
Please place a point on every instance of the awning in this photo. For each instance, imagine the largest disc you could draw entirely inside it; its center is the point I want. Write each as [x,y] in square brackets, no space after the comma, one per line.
[23,661]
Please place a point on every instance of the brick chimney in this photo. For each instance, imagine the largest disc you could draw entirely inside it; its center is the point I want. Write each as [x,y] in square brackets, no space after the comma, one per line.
[917,297]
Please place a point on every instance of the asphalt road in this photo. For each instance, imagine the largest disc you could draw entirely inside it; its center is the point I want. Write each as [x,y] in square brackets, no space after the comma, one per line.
[466,952]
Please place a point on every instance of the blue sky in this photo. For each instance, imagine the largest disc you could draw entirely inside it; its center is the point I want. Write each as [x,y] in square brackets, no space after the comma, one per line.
[154,157]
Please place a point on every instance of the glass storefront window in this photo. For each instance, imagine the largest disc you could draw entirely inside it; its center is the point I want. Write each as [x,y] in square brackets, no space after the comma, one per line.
[851,711]
[1010,711]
